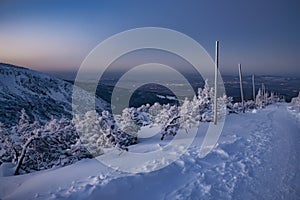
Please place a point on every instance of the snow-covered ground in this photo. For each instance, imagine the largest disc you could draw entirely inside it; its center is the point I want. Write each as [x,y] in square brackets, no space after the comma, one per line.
[256,158]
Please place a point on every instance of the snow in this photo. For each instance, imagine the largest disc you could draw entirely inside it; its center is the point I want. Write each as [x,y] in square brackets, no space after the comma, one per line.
[171,97]
[160,96]
[255,158]
[7,169]
[166,97]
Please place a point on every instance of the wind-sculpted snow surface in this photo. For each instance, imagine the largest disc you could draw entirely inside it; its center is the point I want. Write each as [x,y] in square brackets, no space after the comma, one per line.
[255,158]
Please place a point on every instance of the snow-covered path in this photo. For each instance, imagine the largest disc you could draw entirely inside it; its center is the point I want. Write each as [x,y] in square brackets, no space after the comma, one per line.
[260,162]
[256,158]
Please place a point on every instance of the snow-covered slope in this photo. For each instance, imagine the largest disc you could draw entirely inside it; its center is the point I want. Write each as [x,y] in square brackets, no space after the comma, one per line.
[257,157]
[41,95]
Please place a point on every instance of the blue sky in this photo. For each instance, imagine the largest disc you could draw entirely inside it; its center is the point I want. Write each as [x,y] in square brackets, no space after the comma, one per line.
[57,35]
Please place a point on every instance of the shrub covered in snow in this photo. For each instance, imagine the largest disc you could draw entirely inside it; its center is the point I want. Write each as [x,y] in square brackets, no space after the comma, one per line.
[154,111]
[169,120]
[203,103]
[264,99]
[33,147]
[129,121]
[199,109]
[296,101]
[101,131]
[91,133]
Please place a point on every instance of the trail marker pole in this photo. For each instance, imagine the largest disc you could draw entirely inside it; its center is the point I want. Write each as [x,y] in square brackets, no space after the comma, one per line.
[253,87]
[241,86]
[263,93]
[216,82]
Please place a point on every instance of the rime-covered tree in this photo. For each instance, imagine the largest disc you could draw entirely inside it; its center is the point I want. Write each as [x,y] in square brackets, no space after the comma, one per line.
[127,124]
[203,102]
[141,115]
[20,140]
[222,103]
[90,132]
[8,153]
[120,137]
[154,112]
[107,137]
[259,100]
[296,101]
[34,147]
[59,136]
[187,118]
[169,119]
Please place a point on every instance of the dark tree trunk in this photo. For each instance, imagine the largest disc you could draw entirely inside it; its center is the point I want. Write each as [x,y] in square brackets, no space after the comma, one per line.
[23,153]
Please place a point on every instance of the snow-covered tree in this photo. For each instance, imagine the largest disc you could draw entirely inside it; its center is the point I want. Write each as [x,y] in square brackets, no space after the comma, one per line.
[169,120]
[154,112]
[60,136]
[229,105]
[50,145]
[101,131]
[19,140]
[202,103]
[272,98]
[91,134]
[117,137]
[127,124]
[141,115]
[34,147]
[20,162]
[187,119]
[296,101]
[106,137]
[266,97]
[196,114]
[8,152]
[249,105]
[222,103]
[259,100]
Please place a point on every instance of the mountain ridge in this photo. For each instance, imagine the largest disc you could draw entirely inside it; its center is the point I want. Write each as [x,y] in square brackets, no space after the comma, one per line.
[41,95]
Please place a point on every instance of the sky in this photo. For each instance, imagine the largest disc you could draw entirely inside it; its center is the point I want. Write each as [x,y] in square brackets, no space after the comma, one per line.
[48,36]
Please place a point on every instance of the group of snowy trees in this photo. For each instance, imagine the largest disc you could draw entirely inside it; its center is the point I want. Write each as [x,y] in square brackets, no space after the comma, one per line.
[34,147]
[171,118]
[101,131]
[262,99]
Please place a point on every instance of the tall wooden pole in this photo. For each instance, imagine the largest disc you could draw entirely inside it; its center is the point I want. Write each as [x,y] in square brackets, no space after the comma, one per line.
[253,87]
[241,86]
[263,90]
[216,82]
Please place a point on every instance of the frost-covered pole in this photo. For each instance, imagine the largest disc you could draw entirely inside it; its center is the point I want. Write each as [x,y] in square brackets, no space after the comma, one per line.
[253,87]
[216,81]
[265,99]
[241,86]
[263,91]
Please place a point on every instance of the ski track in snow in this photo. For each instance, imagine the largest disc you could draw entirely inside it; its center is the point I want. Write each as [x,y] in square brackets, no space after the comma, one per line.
[255,158]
